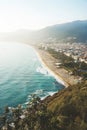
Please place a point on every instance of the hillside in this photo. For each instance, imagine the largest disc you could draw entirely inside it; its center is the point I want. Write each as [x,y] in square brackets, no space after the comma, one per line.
[70,107]
[75,31]
[65,110]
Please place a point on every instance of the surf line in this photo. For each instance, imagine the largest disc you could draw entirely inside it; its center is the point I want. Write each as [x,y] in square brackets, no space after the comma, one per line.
[58,78]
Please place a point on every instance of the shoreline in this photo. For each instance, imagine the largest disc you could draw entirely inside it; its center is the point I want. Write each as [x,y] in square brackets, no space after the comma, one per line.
[50,71]
[59,73]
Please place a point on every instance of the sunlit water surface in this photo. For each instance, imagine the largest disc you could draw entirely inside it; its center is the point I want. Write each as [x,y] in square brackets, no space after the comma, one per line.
[22,74]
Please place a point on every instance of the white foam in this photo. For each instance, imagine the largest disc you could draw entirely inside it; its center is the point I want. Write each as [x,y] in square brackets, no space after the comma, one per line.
[26,103]
[29,96]
[50,72]
[38,92]
[42,98]
[48,94]
[9,108]
[51,93]
[58,79]
[42,70]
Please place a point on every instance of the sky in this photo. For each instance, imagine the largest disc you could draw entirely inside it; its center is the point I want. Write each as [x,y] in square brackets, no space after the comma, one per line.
[37,14]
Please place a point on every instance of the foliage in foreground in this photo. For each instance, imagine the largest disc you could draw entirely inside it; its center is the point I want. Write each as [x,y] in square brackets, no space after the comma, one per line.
[70,107]
[34,117]
[65,110]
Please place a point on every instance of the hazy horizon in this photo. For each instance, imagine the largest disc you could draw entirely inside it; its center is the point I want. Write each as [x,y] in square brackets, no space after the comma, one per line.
[37,14]
[32,30]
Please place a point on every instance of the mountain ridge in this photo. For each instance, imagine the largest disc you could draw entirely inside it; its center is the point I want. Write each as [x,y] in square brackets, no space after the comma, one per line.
[75,31]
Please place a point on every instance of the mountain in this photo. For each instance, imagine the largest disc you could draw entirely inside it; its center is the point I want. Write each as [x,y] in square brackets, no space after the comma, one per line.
[69,32]
[75,31]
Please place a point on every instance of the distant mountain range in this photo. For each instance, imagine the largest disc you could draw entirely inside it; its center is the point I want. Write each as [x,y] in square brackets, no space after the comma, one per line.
[75,31]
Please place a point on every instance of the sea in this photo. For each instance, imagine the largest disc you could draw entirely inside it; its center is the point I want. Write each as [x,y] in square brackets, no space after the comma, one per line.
[22,74]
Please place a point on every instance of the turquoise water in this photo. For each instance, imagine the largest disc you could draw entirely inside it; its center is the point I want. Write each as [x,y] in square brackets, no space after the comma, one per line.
[22,74]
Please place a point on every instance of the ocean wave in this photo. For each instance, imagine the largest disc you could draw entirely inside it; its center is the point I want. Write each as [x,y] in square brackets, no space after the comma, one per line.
[47,94]
[26,103]
[51,93]
[42,98]
[39,92]
[42,70]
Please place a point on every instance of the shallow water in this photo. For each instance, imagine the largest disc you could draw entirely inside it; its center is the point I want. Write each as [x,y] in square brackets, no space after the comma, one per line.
[22,74]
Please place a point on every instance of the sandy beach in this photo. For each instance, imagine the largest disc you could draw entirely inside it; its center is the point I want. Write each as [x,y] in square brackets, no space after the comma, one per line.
[60,74]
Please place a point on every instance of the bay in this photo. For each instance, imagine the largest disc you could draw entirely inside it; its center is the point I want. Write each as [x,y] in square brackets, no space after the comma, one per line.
[22,74]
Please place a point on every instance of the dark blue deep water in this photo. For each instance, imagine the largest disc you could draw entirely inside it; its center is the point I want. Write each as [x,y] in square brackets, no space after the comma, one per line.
[22,74]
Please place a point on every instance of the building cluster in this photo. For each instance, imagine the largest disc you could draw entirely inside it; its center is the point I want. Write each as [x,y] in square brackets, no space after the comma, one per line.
[78,51]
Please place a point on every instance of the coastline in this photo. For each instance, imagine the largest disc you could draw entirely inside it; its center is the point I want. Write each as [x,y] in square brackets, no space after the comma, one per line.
[49,69]
[60,74]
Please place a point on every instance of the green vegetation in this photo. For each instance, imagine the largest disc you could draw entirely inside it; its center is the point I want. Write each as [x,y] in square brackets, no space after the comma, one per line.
[34,117]
[70,107]
[65,110]
[77,68]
